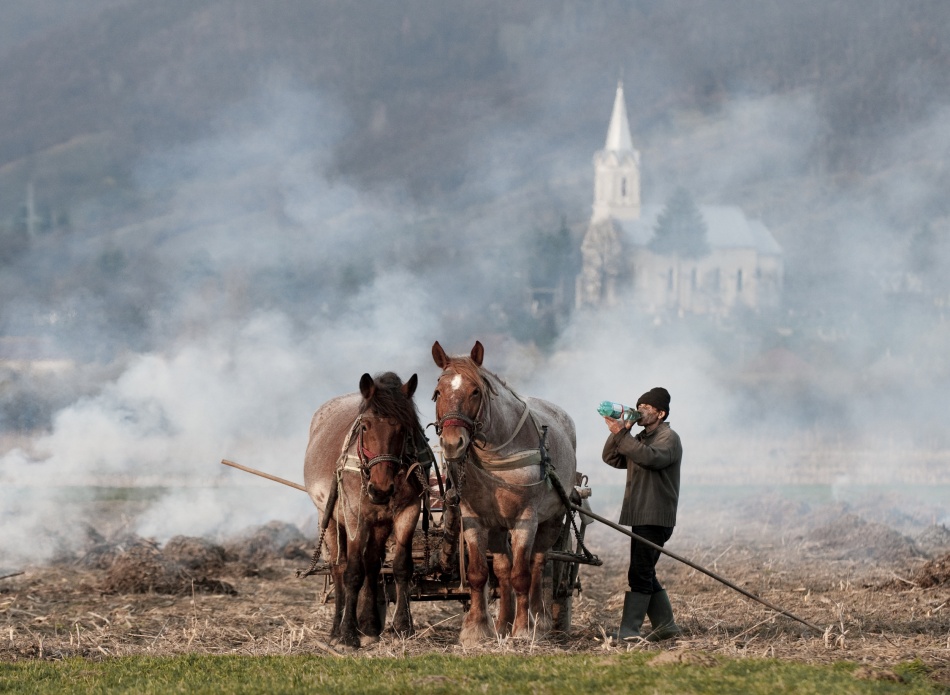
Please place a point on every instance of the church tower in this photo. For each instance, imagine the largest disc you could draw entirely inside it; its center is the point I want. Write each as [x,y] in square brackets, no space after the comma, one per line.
[617,169]
[616,198]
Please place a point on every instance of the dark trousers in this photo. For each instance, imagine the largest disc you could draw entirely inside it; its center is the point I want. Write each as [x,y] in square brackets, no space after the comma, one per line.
[642,573]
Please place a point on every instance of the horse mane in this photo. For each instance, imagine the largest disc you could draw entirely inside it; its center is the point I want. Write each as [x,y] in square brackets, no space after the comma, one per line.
[389,401]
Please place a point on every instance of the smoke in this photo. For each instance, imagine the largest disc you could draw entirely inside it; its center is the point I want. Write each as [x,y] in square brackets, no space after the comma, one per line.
[252,335]
[258,284]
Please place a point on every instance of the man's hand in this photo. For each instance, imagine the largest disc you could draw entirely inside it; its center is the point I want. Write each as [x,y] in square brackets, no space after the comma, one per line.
[616,426]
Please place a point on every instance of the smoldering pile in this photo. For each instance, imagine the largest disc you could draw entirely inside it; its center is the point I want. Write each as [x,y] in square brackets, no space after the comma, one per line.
[849,536]
[934,540]
[131,564]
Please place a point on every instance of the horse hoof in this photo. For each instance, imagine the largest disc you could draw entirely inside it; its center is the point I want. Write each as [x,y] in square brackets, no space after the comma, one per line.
[472,636]
[351,641]
[470,640]
[367,640]
[402,623]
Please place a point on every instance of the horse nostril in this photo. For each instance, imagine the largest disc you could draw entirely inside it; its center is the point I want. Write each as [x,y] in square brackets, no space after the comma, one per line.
[380,497]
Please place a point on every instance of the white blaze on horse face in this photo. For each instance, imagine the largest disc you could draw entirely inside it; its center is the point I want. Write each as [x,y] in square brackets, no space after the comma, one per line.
[456,382]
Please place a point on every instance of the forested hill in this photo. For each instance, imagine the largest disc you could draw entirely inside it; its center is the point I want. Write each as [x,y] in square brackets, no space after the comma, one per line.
[422,81]
[185,179]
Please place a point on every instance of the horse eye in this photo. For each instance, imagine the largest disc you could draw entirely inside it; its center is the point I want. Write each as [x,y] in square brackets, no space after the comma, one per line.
[435,394]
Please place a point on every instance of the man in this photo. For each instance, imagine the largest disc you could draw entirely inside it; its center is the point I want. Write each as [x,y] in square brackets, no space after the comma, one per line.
[652,460]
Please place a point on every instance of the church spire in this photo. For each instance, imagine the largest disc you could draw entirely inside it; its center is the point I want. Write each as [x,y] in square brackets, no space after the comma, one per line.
[617,169]
[618,134]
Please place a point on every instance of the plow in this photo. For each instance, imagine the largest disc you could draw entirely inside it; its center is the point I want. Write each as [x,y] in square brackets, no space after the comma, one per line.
[563,562]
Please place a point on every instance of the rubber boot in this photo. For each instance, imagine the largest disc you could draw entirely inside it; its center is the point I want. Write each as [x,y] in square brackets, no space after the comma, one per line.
[634,611]
[661,618]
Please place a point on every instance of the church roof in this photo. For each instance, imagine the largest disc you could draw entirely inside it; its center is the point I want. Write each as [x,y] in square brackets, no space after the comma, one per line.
[618,133]
[727,227]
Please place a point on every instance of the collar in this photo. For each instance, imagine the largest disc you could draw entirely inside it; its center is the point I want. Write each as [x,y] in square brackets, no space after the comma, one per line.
[665,425]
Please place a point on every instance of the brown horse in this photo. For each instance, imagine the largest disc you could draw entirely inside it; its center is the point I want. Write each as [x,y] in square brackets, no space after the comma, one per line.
[362,461]
[502,450]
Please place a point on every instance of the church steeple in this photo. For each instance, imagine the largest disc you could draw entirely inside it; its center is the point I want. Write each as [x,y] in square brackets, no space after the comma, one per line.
[618,133]
[617,168]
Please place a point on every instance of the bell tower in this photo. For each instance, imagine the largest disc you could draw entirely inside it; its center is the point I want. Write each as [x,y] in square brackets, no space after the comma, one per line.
[617,169]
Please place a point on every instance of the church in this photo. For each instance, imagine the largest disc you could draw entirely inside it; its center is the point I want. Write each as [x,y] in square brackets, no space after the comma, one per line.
[732,262]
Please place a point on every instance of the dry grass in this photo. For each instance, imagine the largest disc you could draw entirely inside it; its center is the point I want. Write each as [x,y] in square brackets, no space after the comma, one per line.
[881,596]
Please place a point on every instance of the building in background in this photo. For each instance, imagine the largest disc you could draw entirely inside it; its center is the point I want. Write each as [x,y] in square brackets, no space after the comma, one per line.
[676,259]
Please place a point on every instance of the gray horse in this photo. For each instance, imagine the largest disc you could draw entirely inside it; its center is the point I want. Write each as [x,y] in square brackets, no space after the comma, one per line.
[502,450]
[363,462]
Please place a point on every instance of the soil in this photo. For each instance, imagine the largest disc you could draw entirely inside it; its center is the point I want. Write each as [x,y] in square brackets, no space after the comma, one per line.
[874,583]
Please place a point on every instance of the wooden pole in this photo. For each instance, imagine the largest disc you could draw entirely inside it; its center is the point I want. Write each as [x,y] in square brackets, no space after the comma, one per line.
[705,571]
[263,475]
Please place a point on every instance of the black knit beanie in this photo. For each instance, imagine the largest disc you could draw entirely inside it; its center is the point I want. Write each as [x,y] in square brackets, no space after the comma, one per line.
[658,397]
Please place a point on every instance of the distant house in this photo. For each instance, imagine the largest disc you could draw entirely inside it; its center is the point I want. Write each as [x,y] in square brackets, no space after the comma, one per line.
[737,263]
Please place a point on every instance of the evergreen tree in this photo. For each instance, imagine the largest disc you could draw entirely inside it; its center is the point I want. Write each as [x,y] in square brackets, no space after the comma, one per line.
[680,228]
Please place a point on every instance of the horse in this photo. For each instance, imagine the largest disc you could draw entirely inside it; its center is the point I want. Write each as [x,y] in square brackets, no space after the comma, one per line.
[362,470]
[502,452]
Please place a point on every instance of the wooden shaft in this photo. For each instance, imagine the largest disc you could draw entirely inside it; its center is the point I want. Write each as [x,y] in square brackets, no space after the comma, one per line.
[263,475]
[710,573]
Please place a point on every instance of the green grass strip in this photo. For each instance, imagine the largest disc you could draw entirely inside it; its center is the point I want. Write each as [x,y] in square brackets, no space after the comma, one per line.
[452,675]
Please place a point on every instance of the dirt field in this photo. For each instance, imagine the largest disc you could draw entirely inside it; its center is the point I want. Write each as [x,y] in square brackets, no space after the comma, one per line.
[874,579]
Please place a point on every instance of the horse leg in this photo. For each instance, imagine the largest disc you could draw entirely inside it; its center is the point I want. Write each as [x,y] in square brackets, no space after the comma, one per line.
[522,541]
[352,583]
[475,627]
[501,565]
[367,614]
[337,566]
[548,533]
[404,529]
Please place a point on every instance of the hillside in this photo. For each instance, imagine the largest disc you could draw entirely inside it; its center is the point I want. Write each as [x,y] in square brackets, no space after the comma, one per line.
[422,82]
[168,170]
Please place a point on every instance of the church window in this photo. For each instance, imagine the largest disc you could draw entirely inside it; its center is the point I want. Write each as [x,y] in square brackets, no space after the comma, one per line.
[669,279]
[623,187]
[692,280]
[739,280]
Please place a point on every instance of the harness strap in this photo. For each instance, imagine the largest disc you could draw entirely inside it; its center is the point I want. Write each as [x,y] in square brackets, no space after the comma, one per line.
[524,417]
[521,459]
[350,462]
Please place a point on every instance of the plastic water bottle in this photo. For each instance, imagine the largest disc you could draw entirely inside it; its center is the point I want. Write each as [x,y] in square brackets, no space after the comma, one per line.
[618,411]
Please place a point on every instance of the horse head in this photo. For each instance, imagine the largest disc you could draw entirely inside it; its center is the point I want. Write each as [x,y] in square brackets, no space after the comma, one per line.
[460,395]
[386,423]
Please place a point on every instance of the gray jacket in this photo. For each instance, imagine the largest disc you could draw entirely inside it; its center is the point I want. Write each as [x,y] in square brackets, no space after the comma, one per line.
[653,463]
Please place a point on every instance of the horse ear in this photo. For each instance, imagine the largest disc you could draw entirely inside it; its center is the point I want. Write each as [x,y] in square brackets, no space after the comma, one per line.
[438,354]
[367,386]
[409,387]
[478,353]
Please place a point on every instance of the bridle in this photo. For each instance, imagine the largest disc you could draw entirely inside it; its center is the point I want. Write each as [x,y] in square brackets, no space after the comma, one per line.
[475,425]
[369,459]
[459,419]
